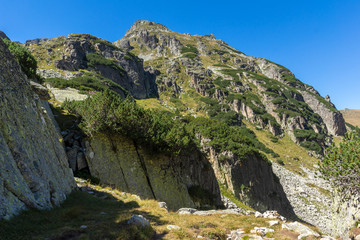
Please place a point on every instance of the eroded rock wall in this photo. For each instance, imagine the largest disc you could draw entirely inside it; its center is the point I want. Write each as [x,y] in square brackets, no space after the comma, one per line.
[121,163]
[333,119]
[251,180]
[34,171]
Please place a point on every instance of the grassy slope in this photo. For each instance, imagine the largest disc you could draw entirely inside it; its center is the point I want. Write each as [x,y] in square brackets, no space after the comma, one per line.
[106,216]
[352,116]
[293,156]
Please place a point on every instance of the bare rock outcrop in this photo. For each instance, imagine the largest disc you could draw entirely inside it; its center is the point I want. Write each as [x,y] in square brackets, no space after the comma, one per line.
[34,172]
[120,162]
[332,118]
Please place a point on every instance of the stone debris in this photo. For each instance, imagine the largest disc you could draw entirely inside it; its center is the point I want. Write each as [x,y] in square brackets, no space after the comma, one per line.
[261,230]
[272,223]
[273,214]
[139,220]
[163,205]
[303,230]
[299,193]
[329,238]
[186,211]
[270,214]
[75,149]
[173,227]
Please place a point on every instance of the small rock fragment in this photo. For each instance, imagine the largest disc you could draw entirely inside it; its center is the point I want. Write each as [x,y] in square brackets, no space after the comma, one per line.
[139,220]
[173,227]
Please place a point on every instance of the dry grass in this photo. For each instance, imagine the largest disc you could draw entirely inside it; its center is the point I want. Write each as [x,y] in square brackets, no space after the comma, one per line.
[351,116]
[106,215]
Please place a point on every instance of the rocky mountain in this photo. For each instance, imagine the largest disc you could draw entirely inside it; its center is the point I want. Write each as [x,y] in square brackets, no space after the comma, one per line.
[195,72]
[194,78]
[34,170]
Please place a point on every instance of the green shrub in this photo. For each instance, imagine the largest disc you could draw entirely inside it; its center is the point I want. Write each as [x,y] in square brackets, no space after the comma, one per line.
[223,84]
[86,83]
[308,134]
[239,140]
[189,49]
[341,165]
[281,162]
[190,55]
[27,61]
[108,112]
[95,59]
[313,146]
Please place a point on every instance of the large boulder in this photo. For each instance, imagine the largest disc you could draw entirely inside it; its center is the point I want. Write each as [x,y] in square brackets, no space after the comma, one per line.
[34,172]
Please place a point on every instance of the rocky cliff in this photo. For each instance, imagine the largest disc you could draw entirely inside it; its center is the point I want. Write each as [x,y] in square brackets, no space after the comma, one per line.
[83,56]
[34,171]
[251,180]
[120,162]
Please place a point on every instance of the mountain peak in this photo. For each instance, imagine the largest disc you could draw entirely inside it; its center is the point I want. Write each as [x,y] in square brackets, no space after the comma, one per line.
[148,25]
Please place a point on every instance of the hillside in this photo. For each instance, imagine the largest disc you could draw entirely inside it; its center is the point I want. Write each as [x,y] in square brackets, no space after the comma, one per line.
[187,119]
[351,116]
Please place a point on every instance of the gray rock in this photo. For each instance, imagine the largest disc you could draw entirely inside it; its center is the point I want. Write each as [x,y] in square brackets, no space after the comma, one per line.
[261,230]
[303,230]
[173,227]
[139,220]
[81,161]
[34,169]
[72,156]
[333,119]
[186,211]
[163,205]
[40,90]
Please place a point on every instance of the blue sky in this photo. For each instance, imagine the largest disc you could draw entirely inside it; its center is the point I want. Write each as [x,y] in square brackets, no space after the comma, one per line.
[318,40]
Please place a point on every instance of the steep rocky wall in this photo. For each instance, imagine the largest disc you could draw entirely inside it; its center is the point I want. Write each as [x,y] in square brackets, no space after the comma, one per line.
[251,180]
[333,119]
[34,172]
[119,162]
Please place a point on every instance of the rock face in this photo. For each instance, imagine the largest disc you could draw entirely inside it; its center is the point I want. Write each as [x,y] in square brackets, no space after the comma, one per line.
[333,119]
[71,54]
[251,180]
[34,172]
[121,163]
[346,213]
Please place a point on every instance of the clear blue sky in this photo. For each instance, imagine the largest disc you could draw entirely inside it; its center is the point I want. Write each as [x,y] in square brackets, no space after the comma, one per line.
[318,40]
